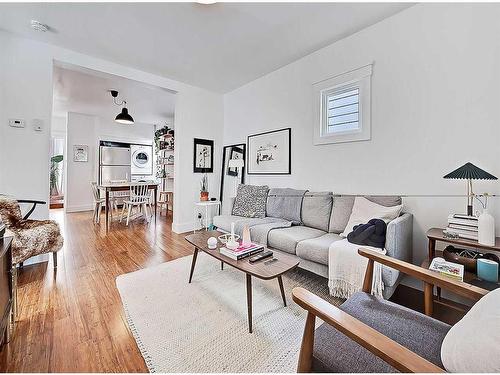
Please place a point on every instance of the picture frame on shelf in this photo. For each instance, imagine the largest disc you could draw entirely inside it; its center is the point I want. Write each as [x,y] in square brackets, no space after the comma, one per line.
[269,153]
[203,156]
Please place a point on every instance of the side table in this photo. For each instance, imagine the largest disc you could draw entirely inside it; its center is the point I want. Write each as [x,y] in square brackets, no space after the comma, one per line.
[435,235]
[206,205]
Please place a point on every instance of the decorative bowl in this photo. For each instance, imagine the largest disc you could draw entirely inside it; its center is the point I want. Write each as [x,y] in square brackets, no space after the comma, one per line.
[225,237]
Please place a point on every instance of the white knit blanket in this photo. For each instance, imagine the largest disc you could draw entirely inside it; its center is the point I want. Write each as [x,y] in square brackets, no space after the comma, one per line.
[346,269]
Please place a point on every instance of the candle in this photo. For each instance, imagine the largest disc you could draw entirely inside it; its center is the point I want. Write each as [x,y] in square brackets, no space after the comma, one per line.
[232,231]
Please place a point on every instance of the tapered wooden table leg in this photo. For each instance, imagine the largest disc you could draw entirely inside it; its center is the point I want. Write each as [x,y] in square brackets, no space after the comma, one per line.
[280,281]
[195,254]
[221,265]
[249,301]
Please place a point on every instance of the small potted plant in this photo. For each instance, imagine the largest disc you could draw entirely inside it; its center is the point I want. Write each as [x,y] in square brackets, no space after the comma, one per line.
[204,188]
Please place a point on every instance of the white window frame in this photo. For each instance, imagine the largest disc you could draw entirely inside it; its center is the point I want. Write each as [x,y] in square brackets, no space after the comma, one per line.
[359,78]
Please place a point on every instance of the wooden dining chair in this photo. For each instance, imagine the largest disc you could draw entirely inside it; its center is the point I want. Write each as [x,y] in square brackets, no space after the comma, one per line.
[369,334]
[139,198]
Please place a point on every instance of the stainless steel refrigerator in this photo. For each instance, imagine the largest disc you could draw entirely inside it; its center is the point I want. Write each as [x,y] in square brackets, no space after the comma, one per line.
[114,161]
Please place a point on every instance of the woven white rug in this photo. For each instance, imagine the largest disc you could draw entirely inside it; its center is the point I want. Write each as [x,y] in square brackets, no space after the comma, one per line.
[202,326]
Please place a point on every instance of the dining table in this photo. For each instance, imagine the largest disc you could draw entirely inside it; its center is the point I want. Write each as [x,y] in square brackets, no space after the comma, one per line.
[108,187]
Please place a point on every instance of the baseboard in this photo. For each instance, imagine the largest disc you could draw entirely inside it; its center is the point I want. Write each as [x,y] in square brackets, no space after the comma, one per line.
[83,207]
[182,227]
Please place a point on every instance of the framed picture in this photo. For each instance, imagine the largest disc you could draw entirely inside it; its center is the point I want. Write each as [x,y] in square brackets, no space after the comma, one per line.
[269,153]
[203,158]
[81,153]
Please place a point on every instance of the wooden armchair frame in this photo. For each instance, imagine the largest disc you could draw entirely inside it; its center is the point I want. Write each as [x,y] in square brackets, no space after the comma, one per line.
[380,345]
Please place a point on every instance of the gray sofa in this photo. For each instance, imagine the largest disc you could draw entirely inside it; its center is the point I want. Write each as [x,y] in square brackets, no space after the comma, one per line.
[323,217]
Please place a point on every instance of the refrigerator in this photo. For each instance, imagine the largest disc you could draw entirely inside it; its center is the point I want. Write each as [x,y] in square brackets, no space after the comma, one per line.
[114,161]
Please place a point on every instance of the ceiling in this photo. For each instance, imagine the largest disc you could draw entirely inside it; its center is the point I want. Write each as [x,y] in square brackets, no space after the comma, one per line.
[86,91]
[219,46]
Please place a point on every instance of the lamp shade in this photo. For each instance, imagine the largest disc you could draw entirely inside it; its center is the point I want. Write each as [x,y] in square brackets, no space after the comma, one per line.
[124,118]
[469,171]
[236,163]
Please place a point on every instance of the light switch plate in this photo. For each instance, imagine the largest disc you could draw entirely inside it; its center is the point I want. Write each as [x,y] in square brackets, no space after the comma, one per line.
[16,123]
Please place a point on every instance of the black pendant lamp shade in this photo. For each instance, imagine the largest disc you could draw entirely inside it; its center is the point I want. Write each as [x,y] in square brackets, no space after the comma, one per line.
[124,118]
[469,171]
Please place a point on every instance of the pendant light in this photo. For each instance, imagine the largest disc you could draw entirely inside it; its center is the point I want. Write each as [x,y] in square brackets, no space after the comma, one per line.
[123,117]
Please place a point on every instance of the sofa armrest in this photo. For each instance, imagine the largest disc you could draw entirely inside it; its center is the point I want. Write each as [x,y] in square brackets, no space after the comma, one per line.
[399,238]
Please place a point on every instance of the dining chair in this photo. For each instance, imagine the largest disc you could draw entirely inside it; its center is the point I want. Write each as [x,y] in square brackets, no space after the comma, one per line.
[98,202]
[118,196]
[139,198]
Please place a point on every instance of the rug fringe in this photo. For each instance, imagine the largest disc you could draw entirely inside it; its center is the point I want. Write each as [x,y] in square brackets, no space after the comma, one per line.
[142,348]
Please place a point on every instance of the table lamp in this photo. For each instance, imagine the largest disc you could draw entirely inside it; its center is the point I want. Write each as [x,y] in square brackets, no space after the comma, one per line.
[238,164]
[470,172]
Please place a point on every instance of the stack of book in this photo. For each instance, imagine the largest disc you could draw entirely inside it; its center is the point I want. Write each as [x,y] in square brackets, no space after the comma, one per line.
[242,251]
[463,226]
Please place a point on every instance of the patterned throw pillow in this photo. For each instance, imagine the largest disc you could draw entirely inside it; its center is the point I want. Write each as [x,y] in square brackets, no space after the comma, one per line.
[250,201]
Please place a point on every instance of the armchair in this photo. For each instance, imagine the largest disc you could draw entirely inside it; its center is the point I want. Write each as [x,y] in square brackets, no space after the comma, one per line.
[369,334]
[31,237]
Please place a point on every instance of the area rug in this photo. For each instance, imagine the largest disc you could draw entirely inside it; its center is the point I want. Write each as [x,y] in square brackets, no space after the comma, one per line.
[202,326]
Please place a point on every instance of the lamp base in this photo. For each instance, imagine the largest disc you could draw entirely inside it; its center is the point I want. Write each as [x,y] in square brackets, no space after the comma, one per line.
[469,210]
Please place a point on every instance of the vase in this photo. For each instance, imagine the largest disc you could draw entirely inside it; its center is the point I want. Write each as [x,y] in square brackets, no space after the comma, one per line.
[486,229]
[203,196]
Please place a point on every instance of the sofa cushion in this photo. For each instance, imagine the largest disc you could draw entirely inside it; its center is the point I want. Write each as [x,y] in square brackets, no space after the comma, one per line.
[364,210]
[285,203]
[342,208]
[316,249]
[286,239]
[471,345]
[317,209]
[335,352]
[224,221]
[250,201]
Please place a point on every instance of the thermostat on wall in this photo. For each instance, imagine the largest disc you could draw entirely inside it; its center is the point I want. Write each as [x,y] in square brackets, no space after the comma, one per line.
[16,123]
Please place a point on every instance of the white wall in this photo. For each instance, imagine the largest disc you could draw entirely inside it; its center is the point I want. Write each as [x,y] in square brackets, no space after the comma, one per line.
[26,92]
[81,130]
[435,105]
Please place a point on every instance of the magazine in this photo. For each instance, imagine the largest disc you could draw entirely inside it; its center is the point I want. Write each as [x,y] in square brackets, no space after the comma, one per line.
[449,269]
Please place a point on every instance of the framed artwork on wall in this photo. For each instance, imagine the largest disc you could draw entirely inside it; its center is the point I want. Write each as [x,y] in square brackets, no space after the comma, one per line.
[203,158]
[270,152]
[81,153]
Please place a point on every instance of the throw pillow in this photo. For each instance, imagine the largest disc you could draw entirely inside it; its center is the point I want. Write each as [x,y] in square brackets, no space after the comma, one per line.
[250,201]
[471,345]
[365,210]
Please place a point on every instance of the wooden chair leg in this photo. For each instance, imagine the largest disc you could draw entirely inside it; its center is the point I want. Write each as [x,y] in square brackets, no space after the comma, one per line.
[54,258]
[129,212]
[306,349]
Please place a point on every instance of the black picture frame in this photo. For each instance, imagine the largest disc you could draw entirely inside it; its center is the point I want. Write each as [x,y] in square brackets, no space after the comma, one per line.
[208,143]
[288,133]
[240,146]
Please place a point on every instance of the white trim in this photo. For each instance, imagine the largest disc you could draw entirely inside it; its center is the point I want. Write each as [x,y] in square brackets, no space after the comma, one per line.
[183,227]
[83,207]
[359,78]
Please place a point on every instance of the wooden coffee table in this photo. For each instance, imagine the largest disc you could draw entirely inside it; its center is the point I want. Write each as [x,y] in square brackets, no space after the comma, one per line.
[261,269]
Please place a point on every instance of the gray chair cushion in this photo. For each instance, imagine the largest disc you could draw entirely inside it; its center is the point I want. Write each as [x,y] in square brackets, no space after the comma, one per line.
[335,352]
[342,208]
[250,201]
[317,209]
[286,239]
[316,249]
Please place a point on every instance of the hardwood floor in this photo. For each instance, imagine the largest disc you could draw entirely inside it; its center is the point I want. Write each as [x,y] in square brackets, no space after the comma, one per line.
[71,320]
